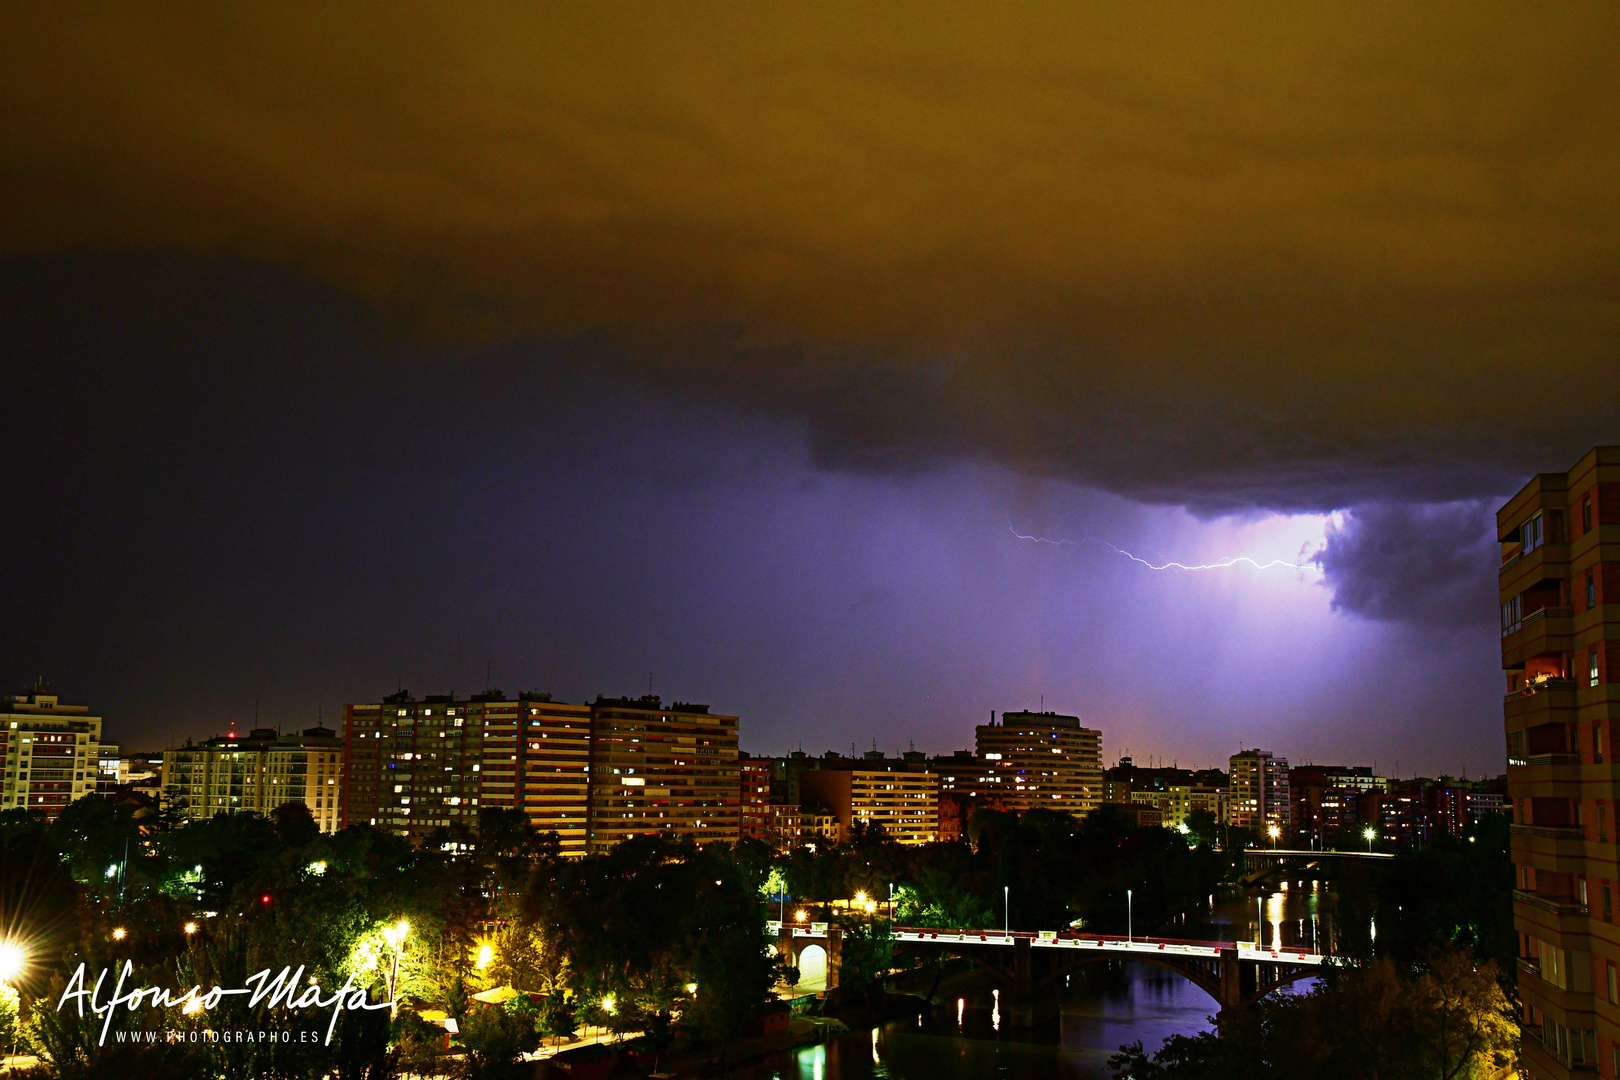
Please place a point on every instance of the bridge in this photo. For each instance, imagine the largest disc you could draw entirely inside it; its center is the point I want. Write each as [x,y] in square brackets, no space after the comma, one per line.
[1286,862]
[1031,964]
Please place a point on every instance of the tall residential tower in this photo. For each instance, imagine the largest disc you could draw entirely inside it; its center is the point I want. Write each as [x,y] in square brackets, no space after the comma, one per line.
[1559,584]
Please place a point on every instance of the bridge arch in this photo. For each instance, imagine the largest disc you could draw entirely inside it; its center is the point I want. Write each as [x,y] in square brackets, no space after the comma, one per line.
[1194,972]
[812,964]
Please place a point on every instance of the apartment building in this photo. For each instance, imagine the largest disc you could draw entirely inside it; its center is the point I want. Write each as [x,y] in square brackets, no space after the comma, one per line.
[257,773]
[1258,797]
[593,774]
[50,754]
[1046,759]
[1559,585]
[902,799]
[1174,804]
[757,822]
[1330,801]
[662,771]
[554,768]
[1173,794]
[410,767]
[416,766]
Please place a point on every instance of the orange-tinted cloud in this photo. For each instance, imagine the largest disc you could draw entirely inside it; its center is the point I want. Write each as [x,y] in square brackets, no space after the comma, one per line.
[1274,255]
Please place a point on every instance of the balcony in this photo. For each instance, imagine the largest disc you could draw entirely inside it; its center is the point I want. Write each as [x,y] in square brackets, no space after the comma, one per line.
[1559,848]
[1533,567]
[1560,908]
[1532,775]
[1543,631]
[1549,702]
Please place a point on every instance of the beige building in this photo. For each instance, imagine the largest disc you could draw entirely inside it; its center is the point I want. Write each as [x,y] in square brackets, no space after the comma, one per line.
[592,774]
[1559,589]
[257,774]
[657,771]
[1046,759]
[1174,804]
[1258,795]
[50,755]
[903,802]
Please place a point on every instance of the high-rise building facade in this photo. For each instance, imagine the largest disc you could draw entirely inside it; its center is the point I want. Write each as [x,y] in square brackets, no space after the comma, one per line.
[257,774]
[1258,797]
[757,821]
[894,795]
[1047,759]
[410,766]
[50,754]
[1559,584]
[662,771]
[592,774]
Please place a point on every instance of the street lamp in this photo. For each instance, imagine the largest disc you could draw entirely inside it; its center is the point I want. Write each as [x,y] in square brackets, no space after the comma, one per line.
[1368,835]
[190,928]
[1273,832]
[1006,907]
[12,959]
[1129,936]
[395,936]
[118,933]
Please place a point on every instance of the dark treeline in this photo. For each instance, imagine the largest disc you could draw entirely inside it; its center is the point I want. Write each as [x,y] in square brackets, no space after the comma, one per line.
[1427,989]
[656,936]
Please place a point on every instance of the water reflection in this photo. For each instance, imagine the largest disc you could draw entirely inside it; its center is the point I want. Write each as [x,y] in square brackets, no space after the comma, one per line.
[1102,1007]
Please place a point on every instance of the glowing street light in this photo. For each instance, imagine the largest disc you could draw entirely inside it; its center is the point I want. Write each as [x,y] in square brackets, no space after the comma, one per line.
[860,897]
[395,936]
[12,959]
[800,915]
[485,955]
[118,934]
[1367,834]
[691,988]
[610,1004]
[1273,832]
[191,928]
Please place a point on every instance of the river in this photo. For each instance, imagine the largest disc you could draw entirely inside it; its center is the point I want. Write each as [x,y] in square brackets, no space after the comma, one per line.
[1104,1007]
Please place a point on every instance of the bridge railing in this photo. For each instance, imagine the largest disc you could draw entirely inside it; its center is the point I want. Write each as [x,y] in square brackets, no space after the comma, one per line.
[1120,941]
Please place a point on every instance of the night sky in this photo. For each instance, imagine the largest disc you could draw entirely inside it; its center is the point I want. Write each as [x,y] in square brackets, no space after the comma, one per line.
[351,346]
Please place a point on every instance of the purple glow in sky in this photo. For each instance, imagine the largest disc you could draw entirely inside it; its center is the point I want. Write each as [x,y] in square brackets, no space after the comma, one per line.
[741,346]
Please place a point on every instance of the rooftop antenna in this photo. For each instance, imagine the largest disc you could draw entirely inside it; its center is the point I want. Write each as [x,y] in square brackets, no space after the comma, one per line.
[649,684]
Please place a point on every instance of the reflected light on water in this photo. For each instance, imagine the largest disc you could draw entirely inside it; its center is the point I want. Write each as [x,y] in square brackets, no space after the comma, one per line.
[995,1011]
[961,1004]
[1274,916]
[876,1060]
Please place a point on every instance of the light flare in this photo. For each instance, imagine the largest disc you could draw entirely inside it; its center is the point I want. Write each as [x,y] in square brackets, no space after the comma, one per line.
[1222,565]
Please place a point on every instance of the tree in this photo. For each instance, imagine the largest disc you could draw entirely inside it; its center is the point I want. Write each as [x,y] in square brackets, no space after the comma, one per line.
[496,1036]
[1463,1018]
[865,955]
[294,824]
[1371,1021]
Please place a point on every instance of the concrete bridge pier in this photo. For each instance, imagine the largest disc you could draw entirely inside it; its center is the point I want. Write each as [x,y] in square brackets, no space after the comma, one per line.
[1233,991]
[1021,1007]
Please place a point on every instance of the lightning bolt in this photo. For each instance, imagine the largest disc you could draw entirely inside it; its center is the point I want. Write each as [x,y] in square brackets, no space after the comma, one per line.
[1223,564]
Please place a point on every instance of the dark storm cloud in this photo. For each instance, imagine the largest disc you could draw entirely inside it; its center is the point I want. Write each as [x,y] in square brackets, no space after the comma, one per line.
[1426,565]
[1263,257]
